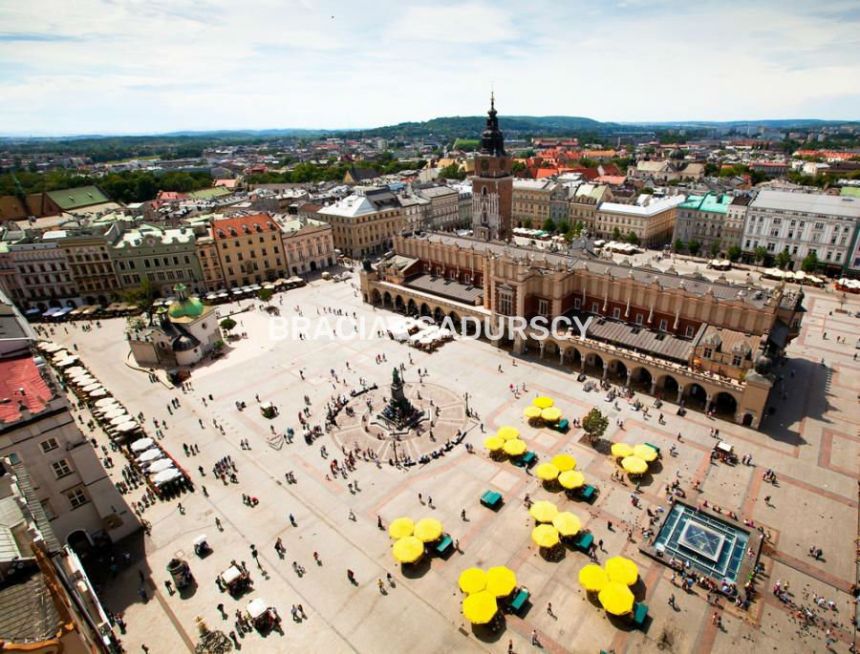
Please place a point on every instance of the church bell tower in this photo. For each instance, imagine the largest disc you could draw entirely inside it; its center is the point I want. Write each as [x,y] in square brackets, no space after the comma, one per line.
[492,185]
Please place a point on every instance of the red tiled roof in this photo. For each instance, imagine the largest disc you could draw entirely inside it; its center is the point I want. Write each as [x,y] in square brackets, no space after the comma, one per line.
[540,173]
[612,180]
[17,375]
[226,183]
[170,195]
[239,225]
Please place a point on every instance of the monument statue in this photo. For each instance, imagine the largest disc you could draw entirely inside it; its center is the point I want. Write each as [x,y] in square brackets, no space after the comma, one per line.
[399,412]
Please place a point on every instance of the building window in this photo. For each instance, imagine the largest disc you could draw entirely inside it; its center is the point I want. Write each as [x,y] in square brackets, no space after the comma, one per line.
[736,361]
[61,468]
[616,313]
[77,497]
[49,444]
[689,331]
[708,353]
[595,307]
[46,507]
[664,325]
[506,303]
[639,319]
[577,303]
[543,307]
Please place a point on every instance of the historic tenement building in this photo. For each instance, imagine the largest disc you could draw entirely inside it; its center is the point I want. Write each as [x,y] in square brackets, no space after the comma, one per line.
[704,344]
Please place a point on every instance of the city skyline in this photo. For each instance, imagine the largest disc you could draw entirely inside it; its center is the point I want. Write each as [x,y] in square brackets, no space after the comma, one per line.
[128,67]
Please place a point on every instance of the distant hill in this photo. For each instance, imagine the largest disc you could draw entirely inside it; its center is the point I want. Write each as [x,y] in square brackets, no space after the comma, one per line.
[450,127]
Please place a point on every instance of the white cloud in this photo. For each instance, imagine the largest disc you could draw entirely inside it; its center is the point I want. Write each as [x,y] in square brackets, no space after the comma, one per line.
[157,65]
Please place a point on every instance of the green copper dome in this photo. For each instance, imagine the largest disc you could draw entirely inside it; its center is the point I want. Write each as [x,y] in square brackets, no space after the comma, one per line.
[189,308]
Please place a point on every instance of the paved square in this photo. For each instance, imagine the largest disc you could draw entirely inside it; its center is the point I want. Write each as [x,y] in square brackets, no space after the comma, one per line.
[811,443]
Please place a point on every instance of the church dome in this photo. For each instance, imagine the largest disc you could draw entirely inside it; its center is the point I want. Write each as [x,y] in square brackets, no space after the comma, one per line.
[184,343]
[189,308]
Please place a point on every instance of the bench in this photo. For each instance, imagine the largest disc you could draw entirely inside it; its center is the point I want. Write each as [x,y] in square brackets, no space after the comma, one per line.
[562,425]
[525,460]
[640,613]
[521,596]
[491,499]
[583,541]
[588,492]
[444,545]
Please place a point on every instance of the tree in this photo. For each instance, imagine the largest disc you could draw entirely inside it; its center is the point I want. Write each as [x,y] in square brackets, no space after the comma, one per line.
[679,245]
[518,168]
[228,324]
[760,254]
[265,294]
[632,238]
[563,227]
[714,249]
[809,263]
[616,234]
[549,225]
[595,424]
[452,172]
[527,223]
[734,253]
[142,296]
[577,228]
[783,259]
[694,247]
[647,190]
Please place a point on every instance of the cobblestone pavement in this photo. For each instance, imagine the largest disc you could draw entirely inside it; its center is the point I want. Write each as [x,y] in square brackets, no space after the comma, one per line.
[811,442]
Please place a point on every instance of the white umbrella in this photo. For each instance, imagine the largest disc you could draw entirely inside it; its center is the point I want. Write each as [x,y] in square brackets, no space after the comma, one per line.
[151,455]
[60,355]
[49,347]
[131,425]
[91,387]
[65,363]
[76,370]
[105,402]
[113,405]
[257,607]
[112,413]
[165,476]
[99,392]
[160,464]
[142,444]
[120,418]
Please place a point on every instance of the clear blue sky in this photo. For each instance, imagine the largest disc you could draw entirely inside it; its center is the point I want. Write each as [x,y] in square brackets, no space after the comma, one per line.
[130,66]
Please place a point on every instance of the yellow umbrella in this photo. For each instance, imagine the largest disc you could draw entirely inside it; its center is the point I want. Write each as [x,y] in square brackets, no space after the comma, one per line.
[472,580]
[634,465]
[401,528]
[622,570]
[543,511]
[501,581]
[543,402]
[616,598]
[480,608]
[564,462]
[546,472]
[552,414]
[507,432]
[493,443]
[531,411]
[567,524]
[428,529]
[593,578]
[571,479]
[545,536]
[408,550]
[514,447]
[620,450]
[645,452]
